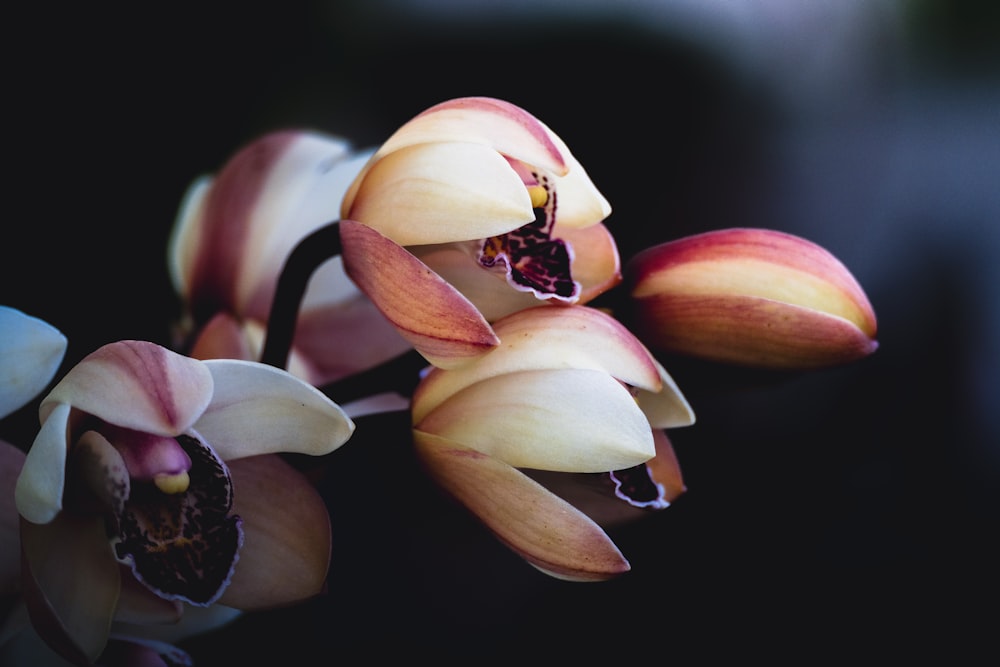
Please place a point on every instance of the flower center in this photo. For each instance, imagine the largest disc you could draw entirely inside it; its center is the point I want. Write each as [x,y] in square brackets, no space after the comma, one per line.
[531,259]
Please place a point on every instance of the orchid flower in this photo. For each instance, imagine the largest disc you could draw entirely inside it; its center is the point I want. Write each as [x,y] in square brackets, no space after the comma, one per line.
[569,390]
[232,237]
[473,210]
[157,472]
[753,297]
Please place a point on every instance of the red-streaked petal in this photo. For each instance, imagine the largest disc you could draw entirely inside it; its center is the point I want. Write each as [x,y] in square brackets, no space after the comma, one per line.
[441,193]
[286,552]
[427,311]
[569,419]
[549,337]
[753,262]
[259,409]
[497,124]
[545,530]
[755,297]
[138,385]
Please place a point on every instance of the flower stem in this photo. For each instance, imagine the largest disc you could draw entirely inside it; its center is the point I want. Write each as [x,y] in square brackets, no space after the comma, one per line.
[305,258]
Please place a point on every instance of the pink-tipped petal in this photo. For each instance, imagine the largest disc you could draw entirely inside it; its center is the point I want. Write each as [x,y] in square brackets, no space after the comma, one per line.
[287,537]
[440,193]
[755,297]
[545,530]
[427,311]
[259,409]
[569,419]
[138,385]
[549,337]
[503,127]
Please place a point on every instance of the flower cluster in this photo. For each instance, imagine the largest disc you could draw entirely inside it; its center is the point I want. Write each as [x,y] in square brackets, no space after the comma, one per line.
[472,246]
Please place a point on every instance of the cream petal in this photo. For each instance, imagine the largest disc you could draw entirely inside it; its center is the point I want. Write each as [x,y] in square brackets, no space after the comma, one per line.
[427,311]
[487,290]
[287,535]
[39,488]
[259,409]
[596,263]
[302,193]
[31,351]
[183,243]
[504,127]
[549,337]
[571,420]
[138,385]
[440,193]
[666,408]
[545,530]
[72,601]
[580,202]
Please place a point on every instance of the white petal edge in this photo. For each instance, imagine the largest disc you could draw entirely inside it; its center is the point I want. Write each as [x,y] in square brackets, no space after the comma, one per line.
[260,409]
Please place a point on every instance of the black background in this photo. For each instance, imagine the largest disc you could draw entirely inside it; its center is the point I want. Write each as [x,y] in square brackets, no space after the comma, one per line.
[851,511]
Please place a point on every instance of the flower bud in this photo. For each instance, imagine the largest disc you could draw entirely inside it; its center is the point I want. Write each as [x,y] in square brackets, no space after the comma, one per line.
[753,297]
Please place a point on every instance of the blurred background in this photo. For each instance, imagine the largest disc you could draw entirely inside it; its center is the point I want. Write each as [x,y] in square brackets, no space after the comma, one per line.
[847,512]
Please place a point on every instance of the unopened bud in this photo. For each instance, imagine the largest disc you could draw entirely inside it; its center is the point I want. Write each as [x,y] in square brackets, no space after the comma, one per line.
[753,297]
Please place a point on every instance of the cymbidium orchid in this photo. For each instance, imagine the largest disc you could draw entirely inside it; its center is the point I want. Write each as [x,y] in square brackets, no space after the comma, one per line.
[753,297]
[154,473]
[232,238]
[568,390]
[472,210]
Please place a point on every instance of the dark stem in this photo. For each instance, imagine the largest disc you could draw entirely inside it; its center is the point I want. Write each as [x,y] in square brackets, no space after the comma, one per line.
[302,262]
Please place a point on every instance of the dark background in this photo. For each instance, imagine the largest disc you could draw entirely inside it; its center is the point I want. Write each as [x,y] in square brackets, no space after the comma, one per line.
[852,511]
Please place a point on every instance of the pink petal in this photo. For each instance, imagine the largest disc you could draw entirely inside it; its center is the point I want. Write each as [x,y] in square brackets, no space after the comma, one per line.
[138,385]
[428,312]
[287,538]
[545,530]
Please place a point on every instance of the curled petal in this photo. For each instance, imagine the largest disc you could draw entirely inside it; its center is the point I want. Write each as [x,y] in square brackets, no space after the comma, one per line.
[497,124]
[550,337]
[39,488]
[30,355]
[71,601]
[666,408]
[138,385]
[596,263]
[287,537]
[571,420]
[259,409]
[427,311]
[581,205]
[234,231]
[440,193]
[545,530]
